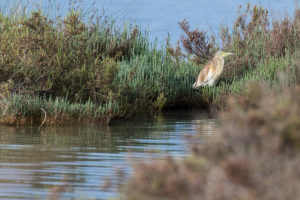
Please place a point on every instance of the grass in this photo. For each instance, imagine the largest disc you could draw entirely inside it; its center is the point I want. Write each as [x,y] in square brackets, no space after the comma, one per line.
[27,110]
[79,62]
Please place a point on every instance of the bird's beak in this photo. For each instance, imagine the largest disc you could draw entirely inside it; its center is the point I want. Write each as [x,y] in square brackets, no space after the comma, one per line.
[227,54]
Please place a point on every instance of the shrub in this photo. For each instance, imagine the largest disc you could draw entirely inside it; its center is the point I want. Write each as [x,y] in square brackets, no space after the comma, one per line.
[66,58]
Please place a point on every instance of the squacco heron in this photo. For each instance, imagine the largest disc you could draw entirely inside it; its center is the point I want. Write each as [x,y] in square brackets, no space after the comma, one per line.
[211,72]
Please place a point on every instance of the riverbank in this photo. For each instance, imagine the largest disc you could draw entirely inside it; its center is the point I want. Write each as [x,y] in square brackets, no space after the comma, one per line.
[68,70]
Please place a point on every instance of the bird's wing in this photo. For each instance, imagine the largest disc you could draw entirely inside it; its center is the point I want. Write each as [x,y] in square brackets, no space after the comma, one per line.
[205,75]
[209,75]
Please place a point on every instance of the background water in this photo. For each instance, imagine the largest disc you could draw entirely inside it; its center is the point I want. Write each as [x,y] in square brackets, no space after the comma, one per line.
[34,162]
[161,17]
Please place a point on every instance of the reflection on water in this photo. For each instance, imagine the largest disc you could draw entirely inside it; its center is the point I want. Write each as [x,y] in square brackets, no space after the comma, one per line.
[33,161]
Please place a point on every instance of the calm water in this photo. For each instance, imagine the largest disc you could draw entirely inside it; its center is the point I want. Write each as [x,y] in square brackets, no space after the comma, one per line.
[33,162]
[161,17]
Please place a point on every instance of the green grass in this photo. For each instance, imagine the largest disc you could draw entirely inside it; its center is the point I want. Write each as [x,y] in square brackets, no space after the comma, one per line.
[27,110]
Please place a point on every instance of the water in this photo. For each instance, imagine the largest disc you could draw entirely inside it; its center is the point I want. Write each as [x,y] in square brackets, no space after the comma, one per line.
[33,162]
[161,17]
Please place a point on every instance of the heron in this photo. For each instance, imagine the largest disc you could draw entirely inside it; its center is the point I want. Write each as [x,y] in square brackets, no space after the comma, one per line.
[211,72]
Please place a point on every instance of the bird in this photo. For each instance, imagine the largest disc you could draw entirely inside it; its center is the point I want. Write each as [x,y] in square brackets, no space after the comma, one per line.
[211,72]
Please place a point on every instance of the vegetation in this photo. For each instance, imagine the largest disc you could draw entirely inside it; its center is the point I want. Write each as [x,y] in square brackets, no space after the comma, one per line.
[32,110]
[72,62]
[264,47]
[117,72]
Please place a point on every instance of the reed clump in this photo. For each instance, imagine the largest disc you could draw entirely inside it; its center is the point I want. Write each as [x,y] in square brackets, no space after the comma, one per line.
[255,155]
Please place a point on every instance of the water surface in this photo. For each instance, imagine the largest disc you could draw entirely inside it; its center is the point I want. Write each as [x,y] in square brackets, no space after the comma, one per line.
[34,162]
[161,17]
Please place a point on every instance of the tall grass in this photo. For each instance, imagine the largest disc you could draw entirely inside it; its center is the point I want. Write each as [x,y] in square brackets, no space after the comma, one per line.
[28,110]
[153,80]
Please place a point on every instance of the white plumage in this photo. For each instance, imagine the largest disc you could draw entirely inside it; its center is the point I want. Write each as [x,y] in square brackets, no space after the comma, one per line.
[210,74]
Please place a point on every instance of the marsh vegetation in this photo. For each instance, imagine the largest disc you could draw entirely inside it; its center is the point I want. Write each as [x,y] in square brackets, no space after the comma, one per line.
[95,70]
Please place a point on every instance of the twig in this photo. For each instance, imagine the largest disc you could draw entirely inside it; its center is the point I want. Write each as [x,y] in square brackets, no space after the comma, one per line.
[44,117]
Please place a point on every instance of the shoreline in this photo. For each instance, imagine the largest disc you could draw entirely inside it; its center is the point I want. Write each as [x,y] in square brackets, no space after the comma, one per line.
[70,70]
